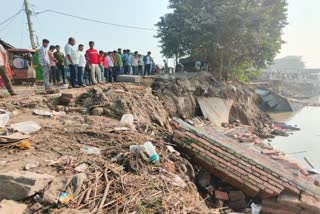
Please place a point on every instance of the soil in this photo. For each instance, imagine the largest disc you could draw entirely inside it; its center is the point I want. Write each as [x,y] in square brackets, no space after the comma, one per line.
[136,185]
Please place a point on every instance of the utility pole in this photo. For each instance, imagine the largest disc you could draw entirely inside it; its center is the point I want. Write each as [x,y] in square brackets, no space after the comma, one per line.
[28,13]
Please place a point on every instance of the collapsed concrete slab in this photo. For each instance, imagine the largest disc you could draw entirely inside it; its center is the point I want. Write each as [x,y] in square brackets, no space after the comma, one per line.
[20,185]
[215,109]
[245,168]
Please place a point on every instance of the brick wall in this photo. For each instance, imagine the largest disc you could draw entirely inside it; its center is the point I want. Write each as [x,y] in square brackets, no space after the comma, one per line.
[242,171]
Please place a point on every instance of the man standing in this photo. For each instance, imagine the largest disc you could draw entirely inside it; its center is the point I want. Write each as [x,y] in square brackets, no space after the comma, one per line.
[119,62]
[111,65]
[93,60]
[147,63]
[135,63]
[59,56]
[54,71]
[125,58]
[82,65]
[45,63]
[4,71]
[72,60]
[141,65]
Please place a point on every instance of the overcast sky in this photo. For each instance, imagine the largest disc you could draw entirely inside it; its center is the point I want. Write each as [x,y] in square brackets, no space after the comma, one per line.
[301,35]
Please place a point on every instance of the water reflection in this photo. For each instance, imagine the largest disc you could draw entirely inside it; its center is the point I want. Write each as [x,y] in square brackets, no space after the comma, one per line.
[308,139]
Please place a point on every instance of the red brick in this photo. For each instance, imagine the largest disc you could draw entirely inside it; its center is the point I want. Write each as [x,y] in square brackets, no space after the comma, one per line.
[264,178]
[273,188]
[179,134]
[236,196]
[291,188]
[317,183]
[240,170]
[266,194]
[273,204]
[174,124]
[259,171]
[221,195]
[310,203]
[250,189]
[277,183]
[256,179]
[288,199]
[190,135]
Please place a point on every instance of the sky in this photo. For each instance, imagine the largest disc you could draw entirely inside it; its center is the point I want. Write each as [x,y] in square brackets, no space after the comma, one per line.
[301,35]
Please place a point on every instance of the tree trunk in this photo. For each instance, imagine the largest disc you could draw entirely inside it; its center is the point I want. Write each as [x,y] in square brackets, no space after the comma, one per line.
[221,65]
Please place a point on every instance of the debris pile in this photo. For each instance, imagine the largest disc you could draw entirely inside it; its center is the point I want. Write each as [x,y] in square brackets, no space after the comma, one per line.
[181,96]
[82,163]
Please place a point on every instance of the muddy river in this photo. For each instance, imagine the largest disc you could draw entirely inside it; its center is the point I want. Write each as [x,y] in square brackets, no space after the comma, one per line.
[304,143]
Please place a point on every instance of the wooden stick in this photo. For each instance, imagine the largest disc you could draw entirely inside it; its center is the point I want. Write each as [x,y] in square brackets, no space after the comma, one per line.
[105,192]
[309,163]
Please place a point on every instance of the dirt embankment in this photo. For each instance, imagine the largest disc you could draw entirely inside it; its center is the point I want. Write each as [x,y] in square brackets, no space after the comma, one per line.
[179,95]
[97,146]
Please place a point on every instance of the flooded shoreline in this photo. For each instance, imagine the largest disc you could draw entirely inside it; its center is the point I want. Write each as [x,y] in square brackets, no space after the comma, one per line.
[304,143]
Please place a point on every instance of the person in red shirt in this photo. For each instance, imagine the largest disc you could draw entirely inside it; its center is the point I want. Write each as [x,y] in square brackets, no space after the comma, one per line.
[104,64]
[93,60]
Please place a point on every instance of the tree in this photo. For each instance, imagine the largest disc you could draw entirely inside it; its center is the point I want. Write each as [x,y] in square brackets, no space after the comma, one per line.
[233,35]
[288,63]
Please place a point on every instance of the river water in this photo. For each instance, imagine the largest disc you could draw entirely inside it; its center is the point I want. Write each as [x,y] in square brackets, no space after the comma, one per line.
[306,141]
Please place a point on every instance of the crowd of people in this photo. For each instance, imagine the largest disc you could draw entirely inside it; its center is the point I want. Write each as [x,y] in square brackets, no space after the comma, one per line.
[90,67]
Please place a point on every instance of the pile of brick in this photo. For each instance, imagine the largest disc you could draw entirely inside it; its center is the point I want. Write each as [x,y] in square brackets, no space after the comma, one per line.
[246,169]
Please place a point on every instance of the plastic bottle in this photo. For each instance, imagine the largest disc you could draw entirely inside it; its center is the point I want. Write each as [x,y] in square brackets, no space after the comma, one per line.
[151,151]
[91,150]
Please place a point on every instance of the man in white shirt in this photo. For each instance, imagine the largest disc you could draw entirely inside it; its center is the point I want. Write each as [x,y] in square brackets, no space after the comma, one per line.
[72,60]
[147,63]
[45,63]
[82,65]
[3,70]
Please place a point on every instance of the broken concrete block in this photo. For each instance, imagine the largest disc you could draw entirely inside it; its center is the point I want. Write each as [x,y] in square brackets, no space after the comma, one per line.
[97,111]
[236,196]
[12,207]
[221,195]
[237,205]
[20,185]
[70,184]
[127,119]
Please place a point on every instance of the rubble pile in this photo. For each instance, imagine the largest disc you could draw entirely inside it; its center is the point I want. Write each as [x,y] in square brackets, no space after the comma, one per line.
[180,93]
[118,99]
[81,163]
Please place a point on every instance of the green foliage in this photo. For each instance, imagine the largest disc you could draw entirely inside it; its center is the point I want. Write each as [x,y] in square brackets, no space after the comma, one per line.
[224,32]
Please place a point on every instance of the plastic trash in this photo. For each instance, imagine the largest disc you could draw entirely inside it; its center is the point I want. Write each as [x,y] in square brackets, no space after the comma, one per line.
[4,118]
[256,208]
[151,151]
[91,150]
[24,145]
[27,127]
[127,119]
[43,113]
[65,198]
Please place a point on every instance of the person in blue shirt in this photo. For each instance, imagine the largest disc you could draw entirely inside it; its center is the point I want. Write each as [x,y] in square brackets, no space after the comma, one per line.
[126,62]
